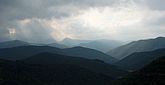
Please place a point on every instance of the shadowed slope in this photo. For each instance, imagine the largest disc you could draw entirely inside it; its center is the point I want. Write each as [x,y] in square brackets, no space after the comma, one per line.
[138,60]
[92,65]
[152,74]
[17,73]
[138,46]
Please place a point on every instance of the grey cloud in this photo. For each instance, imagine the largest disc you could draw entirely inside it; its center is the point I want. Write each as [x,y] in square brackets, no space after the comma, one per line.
[158,22]
[4,35]
[155,4]
[35,32]
[15,10]
[19,9]
[39,8]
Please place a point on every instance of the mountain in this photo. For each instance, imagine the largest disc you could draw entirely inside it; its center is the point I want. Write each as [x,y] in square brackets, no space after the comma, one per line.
[138,60]
[22,52]
[152,74]
[14,43]
[101,45]
[138,46]
[89,54]
[57,45]
[19,73]
[92,65]
[73,42]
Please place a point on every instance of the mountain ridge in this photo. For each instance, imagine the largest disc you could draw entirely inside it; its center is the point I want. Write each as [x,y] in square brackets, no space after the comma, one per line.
[138,46]
[93,65]
[22,52]
[138,60]
[89,53]
[152,74]
[19,73]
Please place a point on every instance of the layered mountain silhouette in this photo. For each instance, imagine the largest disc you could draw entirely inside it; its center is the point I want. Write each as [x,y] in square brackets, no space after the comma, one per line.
[14,43]
[89,54]
[138,46]
[138,60]
[18,73]
[92,65]
[101,45]
[73,42]
[83,62]
[17,43]
[23,52]
[152,74]
[57,45]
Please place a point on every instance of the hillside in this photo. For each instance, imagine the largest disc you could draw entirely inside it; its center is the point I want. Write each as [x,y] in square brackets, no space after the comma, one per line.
[138,60]
[89,54]
[101,45]
[92,65]
[22,52]
[18,73]
[138,46]
[152,74]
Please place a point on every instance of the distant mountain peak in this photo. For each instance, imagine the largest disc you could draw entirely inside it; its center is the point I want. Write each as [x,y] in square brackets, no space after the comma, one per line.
[79,47]
[13,43]
[66,39]
[160,38]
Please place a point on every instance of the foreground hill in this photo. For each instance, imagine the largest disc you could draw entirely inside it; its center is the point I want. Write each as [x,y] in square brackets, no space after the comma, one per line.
[23,52]
[138,46]
[138,60]
[92,65]
[17,73]
[152,74]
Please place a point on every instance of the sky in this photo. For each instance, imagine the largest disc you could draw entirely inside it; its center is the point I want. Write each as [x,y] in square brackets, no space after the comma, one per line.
[47,21]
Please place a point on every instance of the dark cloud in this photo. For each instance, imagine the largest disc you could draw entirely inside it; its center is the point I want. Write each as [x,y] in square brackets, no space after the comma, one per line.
[18,9]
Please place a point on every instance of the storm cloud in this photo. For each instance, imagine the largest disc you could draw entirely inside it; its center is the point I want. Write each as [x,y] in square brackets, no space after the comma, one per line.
[45,21]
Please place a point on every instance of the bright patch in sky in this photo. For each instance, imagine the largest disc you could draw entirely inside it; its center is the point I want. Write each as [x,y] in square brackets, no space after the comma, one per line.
[123,22]
[12,32]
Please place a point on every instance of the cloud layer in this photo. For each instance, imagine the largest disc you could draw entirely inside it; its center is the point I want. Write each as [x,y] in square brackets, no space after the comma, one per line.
[45,21]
